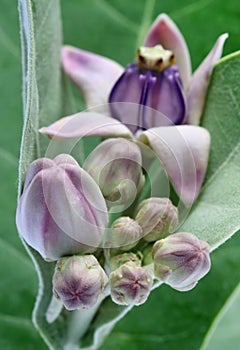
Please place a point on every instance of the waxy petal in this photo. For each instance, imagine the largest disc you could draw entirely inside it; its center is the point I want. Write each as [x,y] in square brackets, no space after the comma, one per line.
[183,151]
[180,260]
[93,74]
[145,99]
[86,124]
[167,97]
[58,198]
[79,281]
[200,81]
[165,32]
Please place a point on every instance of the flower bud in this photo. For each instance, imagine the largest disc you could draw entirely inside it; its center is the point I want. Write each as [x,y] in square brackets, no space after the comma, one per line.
[130,284]
[115,165]
[61,210]
[120,259]
[181,260]
[124,234]
[79,281]
[158,217]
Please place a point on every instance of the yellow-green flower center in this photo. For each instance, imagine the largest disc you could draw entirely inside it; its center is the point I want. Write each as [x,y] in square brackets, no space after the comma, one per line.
[154,58]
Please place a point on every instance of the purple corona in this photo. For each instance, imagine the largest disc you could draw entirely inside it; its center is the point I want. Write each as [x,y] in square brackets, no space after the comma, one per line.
[149,93]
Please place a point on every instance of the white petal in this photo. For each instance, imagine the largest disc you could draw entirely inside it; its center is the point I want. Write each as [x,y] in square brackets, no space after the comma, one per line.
[95,75]
[200,81]
[86,124]
[165,32]
[183,151]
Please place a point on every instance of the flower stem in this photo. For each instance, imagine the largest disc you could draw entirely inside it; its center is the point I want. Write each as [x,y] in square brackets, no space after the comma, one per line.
[78,325]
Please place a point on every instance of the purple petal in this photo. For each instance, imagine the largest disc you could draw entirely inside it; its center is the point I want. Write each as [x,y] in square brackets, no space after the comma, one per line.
[86,124]
[200,81]
[183,151]
[126,96]
[138,89]
[166,96]
[93,74]
[165,32]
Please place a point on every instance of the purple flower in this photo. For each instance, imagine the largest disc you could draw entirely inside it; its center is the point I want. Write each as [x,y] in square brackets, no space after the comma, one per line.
[150,96]
[149,93]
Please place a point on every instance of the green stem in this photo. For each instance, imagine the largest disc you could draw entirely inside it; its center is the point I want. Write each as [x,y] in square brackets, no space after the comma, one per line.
[54,309]
[78,325]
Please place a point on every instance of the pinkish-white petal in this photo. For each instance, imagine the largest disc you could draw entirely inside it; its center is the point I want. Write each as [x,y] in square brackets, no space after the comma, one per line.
[200,81]
[94,75]
[165,32]
[183,151]
[86,124]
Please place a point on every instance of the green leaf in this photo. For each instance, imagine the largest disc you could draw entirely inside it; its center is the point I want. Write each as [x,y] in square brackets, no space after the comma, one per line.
[45,98]
[18,283]
[215,216]
[18,289]
[224,332]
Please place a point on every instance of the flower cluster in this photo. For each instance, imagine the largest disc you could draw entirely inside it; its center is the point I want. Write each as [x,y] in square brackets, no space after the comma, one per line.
[63,213]
[92,219]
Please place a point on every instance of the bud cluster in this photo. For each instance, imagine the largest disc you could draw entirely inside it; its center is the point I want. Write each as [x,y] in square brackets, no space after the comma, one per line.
[63,213]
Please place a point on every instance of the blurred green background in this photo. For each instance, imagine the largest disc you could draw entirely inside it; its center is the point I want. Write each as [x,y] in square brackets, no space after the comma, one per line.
[114,28]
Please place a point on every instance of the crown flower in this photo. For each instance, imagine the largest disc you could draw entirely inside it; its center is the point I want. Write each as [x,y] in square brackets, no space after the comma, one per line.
[155,100]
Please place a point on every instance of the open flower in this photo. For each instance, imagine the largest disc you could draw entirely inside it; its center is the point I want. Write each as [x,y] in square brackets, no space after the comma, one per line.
[150,99]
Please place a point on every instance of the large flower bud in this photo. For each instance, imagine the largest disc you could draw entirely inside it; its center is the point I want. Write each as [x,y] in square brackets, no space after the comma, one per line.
[116,167]
[181,260]
[158,217]
[124,234]
[61,210]
[130,284]
[79,281]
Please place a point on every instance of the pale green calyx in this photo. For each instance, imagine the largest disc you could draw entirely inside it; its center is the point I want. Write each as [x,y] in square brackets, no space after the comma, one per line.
[117,260]
[154,58]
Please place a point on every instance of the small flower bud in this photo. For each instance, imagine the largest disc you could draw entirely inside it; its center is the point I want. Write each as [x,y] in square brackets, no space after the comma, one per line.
[124,234]
[115,165]
[130,284]
[181,260]
[120,259]
[158,217]
[61,210]
[79,281]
